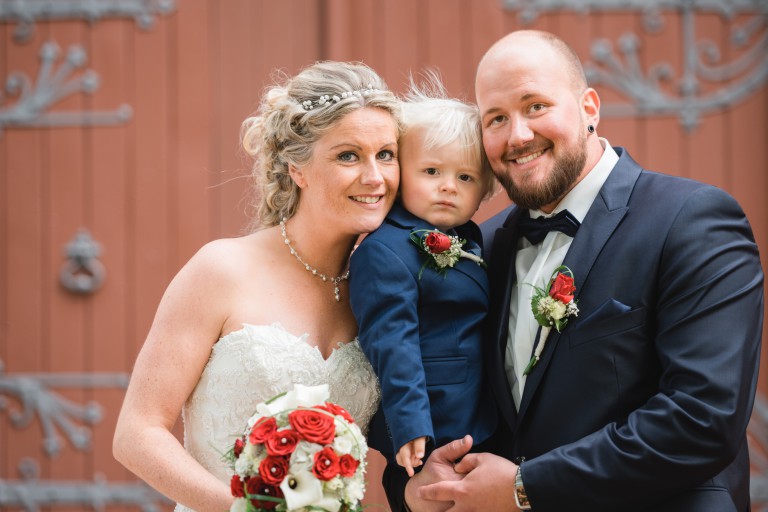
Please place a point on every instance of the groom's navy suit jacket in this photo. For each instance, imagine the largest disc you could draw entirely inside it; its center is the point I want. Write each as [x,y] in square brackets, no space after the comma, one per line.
[423,335]
[642,402]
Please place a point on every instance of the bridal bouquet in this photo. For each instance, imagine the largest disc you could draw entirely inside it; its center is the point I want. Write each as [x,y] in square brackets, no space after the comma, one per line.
[299,452]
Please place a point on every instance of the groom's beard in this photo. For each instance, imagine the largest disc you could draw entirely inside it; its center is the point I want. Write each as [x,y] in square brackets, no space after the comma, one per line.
[564,173]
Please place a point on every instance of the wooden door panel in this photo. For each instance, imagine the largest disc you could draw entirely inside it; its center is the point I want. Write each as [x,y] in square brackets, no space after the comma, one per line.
[153,189]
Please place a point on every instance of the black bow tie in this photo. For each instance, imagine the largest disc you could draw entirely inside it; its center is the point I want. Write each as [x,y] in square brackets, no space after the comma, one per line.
[535,230]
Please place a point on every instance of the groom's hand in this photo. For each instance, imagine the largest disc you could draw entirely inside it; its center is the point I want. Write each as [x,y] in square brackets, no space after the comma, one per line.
[488,485]
[438,468]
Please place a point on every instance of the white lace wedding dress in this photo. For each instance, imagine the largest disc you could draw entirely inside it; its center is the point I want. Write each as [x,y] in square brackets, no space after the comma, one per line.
[255,364]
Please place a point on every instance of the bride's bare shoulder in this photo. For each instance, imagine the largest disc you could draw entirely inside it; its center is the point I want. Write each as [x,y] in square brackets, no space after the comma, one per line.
[233,256]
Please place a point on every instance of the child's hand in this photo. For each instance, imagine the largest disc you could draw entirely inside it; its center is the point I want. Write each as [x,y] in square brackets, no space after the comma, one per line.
[410,454]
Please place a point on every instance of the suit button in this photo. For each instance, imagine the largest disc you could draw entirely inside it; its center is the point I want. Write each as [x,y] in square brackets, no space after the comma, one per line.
[518,460]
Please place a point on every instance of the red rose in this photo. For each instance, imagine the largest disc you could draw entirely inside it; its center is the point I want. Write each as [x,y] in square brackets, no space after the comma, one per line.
[256,486]
[313,426]
[437,242]
[237,487]
[337,411]
[273,469]
[262,430]
[348,465]
[238,449]
[282,442]
[562,288]
[326,464]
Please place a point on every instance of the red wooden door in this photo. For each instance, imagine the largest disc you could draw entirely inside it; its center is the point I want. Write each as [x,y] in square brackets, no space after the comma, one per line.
[165,176]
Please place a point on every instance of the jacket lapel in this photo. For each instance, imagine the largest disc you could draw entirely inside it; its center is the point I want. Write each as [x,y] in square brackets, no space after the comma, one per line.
[401,217]
[603,217]
[479,274]
[502,275]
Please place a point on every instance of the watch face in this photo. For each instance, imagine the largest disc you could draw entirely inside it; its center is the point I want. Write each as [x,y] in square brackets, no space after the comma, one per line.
[521,497]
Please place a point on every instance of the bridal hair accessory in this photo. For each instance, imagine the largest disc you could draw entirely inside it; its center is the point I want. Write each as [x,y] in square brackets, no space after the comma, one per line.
[591,128]
[313,270]
[298,452]
[552,307]
[325,99]
[442,251]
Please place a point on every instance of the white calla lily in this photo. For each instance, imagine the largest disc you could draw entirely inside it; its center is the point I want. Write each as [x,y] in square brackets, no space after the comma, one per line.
[299,396]
[301,489]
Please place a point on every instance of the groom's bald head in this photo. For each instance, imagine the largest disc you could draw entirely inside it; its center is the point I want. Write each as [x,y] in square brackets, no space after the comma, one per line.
[551,49]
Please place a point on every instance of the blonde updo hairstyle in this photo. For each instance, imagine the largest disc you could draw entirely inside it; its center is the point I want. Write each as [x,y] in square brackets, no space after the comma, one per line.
[285,129]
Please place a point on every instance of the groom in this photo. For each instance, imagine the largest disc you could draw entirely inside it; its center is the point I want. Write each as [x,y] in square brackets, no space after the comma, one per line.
[642,400]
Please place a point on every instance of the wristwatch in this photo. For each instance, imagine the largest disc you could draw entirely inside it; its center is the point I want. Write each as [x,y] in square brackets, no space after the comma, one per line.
[521,497]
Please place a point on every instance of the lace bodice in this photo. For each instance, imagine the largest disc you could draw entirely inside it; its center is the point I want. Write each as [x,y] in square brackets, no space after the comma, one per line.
[253,365]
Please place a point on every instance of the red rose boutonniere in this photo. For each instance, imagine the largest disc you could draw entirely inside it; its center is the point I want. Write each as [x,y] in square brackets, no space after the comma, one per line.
[553,306]
[442,251]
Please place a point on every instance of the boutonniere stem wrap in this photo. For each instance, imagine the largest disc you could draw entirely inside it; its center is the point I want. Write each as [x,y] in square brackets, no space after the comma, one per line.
[552,307]
[442,251]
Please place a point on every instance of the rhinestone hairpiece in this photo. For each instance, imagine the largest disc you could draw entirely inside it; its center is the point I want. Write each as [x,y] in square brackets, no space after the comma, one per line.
[325,99]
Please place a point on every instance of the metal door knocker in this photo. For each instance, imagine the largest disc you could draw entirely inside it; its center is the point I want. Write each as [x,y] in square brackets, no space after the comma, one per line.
[82,273]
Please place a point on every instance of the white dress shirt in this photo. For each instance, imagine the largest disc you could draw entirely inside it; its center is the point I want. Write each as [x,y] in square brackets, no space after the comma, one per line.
[535,264]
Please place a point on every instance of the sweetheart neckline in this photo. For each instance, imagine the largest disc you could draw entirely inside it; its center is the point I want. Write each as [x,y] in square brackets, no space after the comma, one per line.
[299,339]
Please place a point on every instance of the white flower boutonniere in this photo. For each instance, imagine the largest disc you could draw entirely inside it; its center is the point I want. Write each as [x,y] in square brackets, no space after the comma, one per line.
[553,306]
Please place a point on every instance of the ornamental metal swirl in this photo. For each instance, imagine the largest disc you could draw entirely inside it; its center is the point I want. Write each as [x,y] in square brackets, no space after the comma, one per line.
[26,397]
[37,97]
[619,66]
[26,12]
[58,416]
[32,494]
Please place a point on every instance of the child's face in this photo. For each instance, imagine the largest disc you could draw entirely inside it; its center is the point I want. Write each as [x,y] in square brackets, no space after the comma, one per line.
[442,185]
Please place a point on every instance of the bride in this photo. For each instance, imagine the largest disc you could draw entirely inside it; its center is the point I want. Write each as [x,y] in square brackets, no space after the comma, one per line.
[248,317]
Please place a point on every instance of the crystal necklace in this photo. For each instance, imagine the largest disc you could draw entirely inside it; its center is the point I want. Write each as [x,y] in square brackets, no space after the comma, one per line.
[313,270]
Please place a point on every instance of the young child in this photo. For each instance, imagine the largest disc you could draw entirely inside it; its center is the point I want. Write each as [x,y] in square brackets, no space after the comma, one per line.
[419,296]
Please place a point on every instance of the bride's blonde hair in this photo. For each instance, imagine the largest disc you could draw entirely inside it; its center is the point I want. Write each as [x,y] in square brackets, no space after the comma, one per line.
[292,116]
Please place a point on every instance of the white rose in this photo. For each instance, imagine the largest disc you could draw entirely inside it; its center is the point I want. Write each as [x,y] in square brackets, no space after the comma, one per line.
[342,444]
[303,456]
[352,432]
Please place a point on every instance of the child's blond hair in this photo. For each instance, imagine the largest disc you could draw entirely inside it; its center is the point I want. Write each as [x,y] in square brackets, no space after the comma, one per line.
[445,120]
